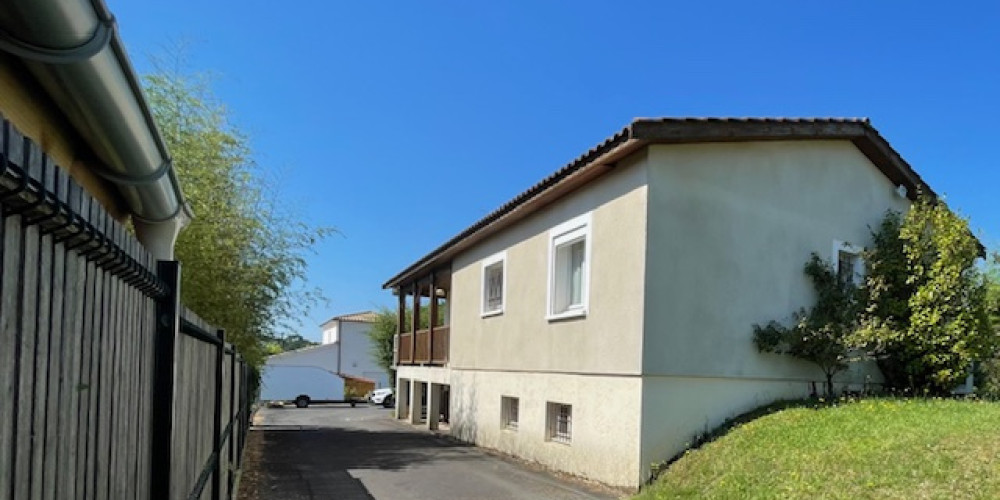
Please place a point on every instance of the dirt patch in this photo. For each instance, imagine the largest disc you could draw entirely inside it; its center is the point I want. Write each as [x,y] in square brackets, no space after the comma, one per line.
[251,476]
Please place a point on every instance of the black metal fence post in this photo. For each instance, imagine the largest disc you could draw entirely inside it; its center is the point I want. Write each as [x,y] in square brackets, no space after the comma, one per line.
[220,359]
[244,407]
[235,417]
[167,329]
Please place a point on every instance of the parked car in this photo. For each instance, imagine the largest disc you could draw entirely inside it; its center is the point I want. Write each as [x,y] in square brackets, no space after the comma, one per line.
[382,397]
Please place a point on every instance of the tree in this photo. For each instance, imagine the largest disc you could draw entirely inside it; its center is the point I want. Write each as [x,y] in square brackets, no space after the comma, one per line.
[291,342]
[820,334]
[925,314]
[383,333]
[988,369]
[242,256]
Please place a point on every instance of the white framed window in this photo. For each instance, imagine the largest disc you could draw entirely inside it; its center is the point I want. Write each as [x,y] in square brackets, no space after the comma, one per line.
[509,412]
[494,284]
[569,268]
[559,420]
[848,262]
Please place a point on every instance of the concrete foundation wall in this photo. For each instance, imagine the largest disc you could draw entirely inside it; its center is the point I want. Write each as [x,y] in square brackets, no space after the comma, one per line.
[605,420]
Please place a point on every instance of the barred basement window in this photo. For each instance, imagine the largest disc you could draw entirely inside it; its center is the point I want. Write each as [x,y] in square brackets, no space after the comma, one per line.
[509,412]
[560,422]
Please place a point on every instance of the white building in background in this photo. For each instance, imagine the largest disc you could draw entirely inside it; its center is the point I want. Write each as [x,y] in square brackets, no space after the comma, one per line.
[345,351]
[348,334]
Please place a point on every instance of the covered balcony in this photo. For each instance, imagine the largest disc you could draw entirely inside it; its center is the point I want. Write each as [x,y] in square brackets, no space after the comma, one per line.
[423,338]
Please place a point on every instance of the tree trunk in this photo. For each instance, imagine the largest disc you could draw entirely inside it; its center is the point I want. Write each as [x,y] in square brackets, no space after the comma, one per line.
[829,385]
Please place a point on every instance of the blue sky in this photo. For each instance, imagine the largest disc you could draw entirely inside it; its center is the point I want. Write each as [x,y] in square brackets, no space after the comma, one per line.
[366,110]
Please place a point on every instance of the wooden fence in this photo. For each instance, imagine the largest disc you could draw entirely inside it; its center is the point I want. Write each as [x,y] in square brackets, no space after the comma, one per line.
[108,388]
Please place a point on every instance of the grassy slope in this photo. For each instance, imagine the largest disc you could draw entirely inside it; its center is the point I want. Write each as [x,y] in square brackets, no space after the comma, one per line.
[877,448]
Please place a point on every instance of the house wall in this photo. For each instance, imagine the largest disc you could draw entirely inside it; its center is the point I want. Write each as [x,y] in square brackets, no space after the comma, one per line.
[330,331]
[323,356]
[608,339]
[356,353]
[35,116]
[605,430]
[592,362]
[730,229]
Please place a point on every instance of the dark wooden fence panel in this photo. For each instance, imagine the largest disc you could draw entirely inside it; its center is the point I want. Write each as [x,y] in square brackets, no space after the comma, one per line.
[78,337]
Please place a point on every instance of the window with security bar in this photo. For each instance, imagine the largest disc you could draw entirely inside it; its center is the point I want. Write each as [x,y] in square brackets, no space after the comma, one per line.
[560,422]
[494,283]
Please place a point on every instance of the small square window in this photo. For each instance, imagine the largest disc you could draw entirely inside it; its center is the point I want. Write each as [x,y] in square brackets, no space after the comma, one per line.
[494,284]
[560,422]
[509,412]
[569,245]
[848,263]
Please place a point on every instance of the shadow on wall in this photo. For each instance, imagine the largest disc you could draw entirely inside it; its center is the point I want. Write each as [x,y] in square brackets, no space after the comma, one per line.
[463,412]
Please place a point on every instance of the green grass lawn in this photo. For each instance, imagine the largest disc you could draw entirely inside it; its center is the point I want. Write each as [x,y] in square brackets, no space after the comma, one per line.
[876,448]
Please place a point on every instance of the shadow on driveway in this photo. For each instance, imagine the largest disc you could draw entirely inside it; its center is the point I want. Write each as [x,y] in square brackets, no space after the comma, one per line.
[374,457]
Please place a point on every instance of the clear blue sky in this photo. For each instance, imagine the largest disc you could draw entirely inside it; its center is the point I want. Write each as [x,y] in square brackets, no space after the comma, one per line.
[369,110]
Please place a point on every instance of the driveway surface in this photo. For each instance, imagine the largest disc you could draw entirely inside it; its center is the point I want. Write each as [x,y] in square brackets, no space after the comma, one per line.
[334,451]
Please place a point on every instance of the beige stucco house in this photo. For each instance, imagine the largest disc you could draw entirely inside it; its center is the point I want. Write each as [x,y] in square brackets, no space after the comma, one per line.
[599,321]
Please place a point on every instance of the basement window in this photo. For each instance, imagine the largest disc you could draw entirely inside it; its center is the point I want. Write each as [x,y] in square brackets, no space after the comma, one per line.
[509,412]
[560,422]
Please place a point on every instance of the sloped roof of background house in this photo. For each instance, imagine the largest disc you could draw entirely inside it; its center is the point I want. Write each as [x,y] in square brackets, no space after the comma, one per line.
[644,131]
[359,317]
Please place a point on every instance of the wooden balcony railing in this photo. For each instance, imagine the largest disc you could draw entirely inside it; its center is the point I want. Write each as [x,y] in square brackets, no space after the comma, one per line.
[424,347]
[405,345]
[439,345]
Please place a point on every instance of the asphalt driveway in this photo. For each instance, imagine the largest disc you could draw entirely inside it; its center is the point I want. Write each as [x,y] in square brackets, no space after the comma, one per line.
[333,451]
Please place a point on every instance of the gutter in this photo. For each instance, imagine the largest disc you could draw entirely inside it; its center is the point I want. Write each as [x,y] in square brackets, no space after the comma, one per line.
[73,49]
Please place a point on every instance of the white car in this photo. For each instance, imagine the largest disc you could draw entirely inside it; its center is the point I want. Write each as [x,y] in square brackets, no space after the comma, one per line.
[382,397]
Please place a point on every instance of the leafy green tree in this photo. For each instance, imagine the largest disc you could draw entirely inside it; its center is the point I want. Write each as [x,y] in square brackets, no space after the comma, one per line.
[988,370]
[925,307]
[820,334]
[241,256]
[383,333]
[290,342]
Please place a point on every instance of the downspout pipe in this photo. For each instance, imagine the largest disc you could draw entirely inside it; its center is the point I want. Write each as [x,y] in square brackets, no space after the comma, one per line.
[73,49]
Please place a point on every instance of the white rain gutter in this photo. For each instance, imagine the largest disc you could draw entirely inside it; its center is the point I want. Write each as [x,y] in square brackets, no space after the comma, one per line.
[73,49]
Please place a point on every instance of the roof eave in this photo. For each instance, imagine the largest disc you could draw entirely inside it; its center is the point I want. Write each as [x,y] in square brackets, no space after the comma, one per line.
[644,131]
[596,162]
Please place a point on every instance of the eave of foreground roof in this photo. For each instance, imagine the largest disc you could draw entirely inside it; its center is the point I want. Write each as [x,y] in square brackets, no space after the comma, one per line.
[645,131]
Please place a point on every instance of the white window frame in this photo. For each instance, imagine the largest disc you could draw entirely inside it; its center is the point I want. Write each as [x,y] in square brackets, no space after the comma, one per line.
[858,277]
[509,420]
[501,258]
[566,232]
[552,423]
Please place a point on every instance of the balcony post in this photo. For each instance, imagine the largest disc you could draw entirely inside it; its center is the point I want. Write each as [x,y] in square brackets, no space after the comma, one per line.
[432,316]
[416,322]
[400,323]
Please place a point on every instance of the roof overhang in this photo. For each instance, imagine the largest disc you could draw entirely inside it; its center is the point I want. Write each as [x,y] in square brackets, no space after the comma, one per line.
[643,132]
